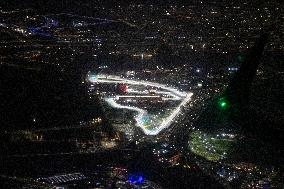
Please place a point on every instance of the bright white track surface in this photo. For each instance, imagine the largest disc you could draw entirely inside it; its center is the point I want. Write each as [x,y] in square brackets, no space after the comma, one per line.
[174,94]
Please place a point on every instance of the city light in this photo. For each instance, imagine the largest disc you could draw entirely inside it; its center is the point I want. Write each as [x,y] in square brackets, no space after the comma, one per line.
[99,94]
[136,179]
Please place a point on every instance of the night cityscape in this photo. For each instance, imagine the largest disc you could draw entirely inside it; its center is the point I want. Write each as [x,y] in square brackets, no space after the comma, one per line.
[141,94]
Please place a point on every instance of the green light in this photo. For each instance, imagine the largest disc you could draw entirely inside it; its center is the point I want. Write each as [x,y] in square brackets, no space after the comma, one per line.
[222,103]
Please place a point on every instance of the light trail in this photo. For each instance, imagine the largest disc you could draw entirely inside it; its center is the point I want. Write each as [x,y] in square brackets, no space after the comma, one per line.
[138,117]
[174,97]
[167,122]
[116,79]
[136,96]
[176,94]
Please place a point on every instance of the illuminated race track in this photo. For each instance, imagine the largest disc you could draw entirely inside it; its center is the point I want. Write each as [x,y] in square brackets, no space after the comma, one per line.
[116,79]
[173,96]
[141,114]
[138,117]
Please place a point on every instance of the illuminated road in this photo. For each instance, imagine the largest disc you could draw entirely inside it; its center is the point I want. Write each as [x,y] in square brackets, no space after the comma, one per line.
[138,117]
[116,79]
[173,96]
[172,92]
